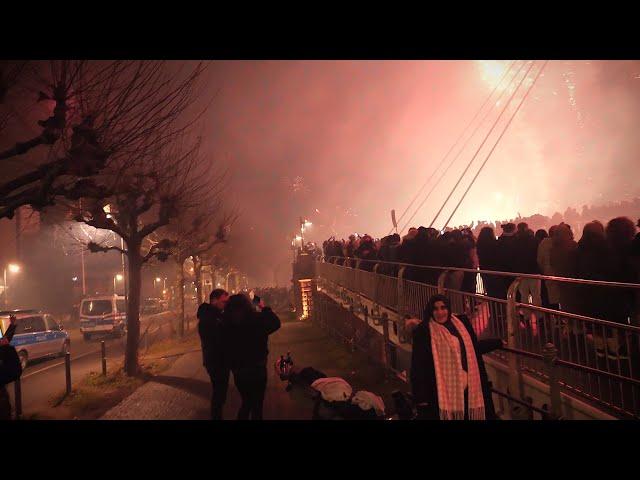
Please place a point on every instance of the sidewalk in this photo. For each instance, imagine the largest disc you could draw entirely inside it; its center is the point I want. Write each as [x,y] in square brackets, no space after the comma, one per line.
[184,391]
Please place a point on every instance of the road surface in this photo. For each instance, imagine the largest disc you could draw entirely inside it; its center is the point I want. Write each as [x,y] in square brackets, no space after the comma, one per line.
[42,379]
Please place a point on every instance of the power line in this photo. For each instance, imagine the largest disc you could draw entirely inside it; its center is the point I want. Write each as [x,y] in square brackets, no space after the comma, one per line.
[464,131]
[464,146]
[482,144]
[496,143]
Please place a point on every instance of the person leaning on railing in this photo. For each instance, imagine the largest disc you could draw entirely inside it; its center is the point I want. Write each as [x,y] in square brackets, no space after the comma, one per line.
[448,377]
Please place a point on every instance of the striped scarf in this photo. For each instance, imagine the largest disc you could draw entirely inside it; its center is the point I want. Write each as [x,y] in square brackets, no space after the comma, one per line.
[450,376]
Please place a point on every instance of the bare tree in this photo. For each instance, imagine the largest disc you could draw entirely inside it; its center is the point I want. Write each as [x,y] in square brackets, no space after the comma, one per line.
[145,196]
[97,111]
[194,236]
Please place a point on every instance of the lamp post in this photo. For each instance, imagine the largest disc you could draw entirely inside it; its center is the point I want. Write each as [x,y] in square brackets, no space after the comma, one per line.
[303,223]
[157,279]
[109,210]
[13,268]
[118,277]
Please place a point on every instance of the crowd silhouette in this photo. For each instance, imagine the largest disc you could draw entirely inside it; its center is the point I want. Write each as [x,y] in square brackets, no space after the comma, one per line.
[527,245]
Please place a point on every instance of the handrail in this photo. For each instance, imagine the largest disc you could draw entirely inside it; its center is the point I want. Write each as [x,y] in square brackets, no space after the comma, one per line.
[499,273]
[520,402]
[543,361]
[575,316]
[575,366]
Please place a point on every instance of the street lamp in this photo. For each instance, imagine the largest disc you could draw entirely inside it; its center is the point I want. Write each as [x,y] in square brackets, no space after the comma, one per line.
[304,223]
[13,268]
[118,277]
[110,210]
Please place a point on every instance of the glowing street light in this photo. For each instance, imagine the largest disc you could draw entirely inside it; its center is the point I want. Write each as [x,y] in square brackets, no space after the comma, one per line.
[303,223]
[13,268]
[117,278]
[158,280]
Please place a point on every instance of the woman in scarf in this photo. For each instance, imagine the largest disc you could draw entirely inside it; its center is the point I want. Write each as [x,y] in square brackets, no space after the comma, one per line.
[448,378]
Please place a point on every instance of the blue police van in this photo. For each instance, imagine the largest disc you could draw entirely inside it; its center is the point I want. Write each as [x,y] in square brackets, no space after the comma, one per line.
[37,335]
[103,314]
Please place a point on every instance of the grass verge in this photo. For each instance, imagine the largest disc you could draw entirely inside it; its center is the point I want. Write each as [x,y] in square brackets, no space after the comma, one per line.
[95,394]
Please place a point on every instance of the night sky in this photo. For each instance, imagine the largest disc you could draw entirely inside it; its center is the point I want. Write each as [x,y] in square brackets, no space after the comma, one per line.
[354,139]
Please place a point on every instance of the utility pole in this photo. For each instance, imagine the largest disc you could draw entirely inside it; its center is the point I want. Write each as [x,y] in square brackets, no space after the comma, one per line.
[84,282]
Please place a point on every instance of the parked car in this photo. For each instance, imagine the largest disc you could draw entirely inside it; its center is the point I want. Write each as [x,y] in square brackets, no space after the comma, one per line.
[37,335]
[103,314]
[151,306]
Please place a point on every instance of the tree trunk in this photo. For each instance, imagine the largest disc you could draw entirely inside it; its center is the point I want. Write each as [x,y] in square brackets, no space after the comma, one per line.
[181,298]
[133,309]
[197,269]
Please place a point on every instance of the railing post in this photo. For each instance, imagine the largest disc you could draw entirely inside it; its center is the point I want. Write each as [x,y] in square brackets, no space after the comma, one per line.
[103,350]
[550,355]
[400,305]
[376,282]
[18,398]
[515,373]
[385,337]
[67,371]
[442,278]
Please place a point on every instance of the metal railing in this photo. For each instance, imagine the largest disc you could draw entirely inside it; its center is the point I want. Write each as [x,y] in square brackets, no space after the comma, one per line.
[596,359]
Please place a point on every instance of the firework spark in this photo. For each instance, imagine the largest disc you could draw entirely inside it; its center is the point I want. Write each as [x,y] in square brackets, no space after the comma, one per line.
[296,185]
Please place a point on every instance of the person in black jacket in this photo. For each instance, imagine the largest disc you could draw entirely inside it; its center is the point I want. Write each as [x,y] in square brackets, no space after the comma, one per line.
[5,403]
[214,357]
[489,259]
[448,380]
[248,343]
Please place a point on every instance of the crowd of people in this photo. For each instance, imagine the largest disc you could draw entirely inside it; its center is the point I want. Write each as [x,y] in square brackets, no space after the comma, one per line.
[605,253]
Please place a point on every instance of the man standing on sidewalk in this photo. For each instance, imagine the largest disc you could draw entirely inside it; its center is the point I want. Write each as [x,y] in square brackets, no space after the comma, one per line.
[211,331]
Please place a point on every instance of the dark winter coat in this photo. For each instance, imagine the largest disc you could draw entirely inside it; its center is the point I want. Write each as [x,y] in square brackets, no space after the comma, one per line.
[248,338]
[212,337]
[423,375]
[592,263]
[507,253]
[526,254]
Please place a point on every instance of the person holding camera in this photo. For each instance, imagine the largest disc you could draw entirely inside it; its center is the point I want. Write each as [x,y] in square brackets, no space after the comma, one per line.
[248,338]
[10,368]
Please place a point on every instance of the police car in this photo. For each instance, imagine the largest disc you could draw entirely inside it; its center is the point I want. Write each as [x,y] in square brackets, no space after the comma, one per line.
[37,335]
[103,314]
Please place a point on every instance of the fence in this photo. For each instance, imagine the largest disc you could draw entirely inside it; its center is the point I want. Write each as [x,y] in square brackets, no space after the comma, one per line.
[597,360]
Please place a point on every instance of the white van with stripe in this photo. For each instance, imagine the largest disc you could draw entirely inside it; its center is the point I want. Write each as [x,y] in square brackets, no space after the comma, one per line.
[103,314]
